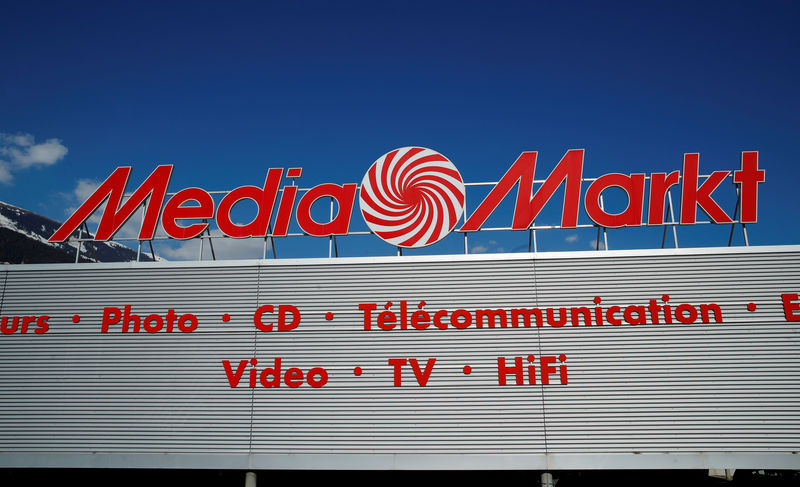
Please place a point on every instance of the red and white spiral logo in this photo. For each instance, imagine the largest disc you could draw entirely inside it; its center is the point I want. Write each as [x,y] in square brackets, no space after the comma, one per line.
[412,197]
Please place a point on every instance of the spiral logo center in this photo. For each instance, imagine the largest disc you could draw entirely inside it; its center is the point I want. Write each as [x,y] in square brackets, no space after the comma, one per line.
[412,197]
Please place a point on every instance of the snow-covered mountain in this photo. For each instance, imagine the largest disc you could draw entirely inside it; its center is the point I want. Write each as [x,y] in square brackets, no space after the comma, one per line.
[23,240]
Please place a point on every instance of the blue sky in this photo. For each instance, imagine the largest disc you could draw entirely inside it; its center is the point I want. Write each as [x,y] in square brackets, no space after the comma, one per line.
[226,90]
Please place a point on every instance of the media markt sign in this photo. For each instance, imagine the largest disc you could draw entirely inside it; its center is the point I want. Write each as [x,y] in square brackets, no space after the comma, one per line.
[681,358]
[413,197]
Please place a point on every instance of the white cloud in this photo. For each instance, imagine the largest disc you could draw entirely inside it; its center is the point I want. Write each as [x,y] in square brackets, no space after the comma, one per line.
[85,188]
[571,238]
[224,248]
[45,154]
[593,245]
[185,250]
[479,249]
[23,140]
[5,173]
[20,151]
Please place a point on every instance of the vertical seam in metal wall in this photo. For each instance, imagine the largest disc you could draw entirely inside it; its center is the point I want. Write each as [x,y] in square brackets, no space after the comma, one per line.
[539,341]
[255,350]
[3,294]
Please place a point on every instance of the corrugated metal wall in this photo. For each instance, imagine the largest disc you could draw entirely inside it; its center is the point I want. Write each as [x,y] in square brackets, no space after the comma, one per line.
[733,386]
[719,388]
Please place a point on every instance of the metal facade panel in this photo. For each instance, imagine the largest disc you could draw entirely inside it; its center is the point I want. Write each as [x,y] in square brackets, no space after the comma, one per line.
[454,413]
[638,396]
[74,389]
[731,386]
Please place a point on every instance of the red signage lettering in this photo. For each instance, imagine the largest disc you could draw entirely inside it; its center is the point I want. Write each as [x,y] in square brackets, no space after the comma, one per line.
[197,204]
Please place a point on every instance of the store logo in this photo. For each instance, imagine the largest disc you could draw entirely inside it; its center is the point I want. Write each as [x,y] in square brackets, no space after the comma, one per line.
[412,197]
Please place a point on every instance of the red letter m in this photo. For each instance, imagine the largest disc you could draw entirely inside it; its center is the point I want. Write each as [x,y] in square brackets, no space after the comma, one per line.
[569,169]
[114,217]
